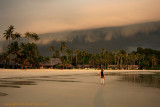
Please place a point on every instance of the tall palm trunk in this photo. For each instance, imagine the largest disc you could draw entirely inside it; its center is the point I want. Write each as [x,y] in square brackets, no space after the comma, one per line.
[152,62]
[14,61]
[71,59]
[118,63]
[67,58]
[83,60]
[76,59]
[121,63]
[115,60]
[139,62]
[93,65]
[9,54]
[9,41]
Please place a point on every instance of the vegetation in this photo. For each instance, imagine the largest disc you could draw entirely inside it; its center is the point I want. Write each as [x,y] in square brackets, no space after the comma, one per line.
[19,53]
[145,58]
[27,55]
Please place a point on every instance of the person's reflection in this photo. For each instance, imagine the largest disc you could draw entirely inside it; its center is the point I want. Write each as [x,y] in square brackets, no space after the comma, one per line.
[99,98]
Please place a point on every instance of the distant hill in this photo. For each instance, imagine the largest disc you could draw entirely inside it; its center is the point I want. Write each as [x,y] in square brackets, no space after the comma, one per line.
[127,37]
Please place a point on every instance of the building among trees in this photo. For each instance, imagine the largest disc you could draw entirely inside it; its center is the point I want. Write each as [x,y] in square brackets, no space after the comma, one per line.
[51,63]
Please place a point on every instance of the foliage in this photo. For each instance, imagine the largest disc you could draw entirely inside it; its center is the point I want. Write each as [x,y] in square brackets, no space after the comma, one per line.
[24,54]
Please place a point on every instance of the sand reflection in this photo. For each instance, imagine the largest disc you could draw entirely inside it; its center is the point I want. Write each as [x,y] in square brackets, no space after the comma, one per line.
[99,98]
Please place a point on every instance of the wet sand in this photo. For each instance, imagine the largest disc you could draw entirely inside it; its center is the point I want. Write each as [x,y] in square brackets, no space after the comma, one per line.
[67,88]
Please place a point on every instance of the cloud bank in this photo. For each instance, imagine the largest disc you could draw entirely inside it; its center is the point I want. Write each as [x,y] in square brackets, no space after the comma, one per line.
[127,37]
[104,33]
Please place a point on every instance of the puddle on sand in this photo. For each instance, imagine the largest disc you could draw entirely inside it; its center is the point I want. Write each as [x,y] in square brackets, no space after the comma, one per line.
[146,80]
[3,94]
[12,86]
[55,80]
[21,83]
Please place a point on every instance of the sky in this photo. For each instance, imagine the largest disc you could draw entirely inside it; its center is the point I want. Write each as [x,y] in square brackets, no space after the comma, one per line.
[43,16]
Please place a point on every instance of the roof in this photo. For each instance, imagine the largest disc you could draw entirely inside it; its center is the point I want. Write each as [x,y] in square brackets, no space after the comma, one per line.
[52,61]
[83,66]
[69,65]
[136,66]
[113,65]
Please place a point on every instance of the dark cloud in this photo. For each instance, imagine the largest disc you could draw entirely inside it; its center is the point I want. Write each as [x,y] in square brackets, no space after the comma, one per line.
[79,39]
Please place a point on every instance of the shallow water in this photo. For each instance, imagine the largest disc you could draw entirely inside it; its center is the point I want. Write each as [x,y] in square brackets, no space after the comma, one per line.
[134,89]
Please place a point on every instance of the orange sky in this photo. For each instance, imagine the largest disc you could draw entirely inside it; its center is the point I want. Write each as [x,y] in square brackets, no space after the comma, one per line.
[42,16]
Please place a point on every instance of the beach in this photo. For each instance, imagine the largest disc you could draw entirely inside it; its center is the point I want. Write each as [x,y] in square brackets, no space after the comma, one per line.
[39,72]
[70,88]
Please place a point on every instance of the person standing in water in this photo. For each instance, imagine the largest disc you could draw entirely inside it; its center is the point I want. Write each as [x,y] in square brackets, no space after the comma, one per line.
[102,75]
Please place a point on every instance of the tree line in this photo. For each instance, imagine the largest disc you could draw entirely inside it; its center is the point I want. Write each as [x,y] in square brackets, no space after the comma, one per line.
[145,58]
[26,54]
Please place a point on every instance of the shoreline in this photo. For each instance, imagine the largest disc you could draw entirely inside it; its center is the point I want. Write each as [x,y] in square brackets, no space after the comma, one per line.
[71,70]
[11,73]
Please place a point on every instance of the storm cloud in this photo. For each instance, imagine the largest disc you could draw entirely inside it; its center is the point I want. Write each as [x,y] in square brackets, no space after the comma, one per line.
[127,37]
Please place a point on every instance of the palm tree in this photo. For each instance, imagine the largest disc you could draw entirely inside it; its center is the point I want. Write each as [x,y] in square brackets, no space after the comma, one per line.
[17,36]
[102,54]
[122,57]
[28,35]
[51,49]
[4,57]
[107,58]
[92,60]
[119,56]
[127,60]
[23,58]
[14,49]
[29,54]
[31,35]
[76,52]
[97,60]
[133,58]
[71,55]
[115,56]
[153,60]
[8,34]
[121,60]
[143,56]
[140,57]
[35,36]
[103,51]
[56,54]
[62,47]
[83,54]
[67,53]
[32,53]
